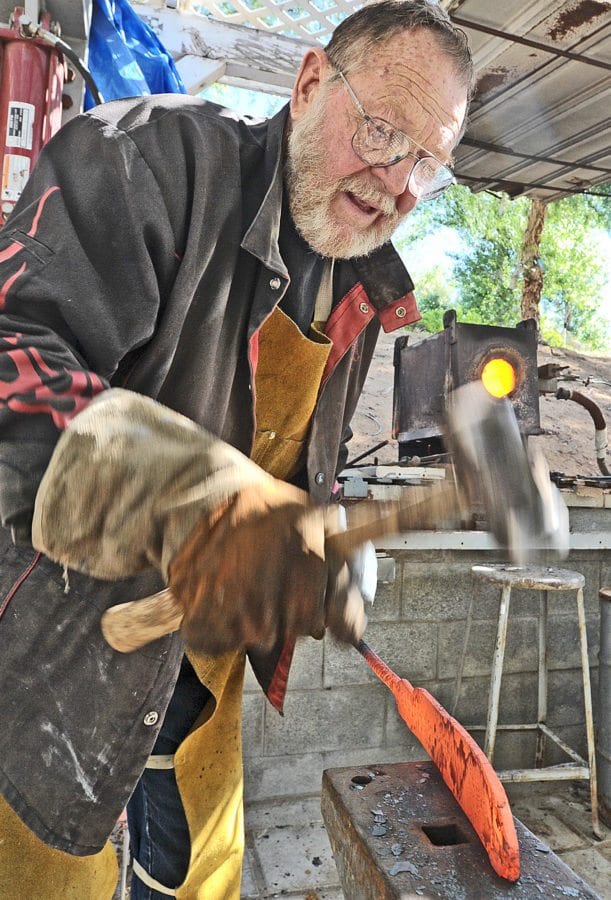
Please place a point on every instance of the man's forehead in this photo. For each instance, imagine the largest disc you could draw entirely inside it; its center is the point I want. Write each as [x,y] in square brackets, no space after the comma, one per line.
[415,81]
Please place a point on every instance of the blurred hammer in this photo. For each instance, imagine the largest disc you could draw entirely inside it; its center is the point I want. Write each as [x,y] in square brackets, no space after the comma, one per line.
[524,510]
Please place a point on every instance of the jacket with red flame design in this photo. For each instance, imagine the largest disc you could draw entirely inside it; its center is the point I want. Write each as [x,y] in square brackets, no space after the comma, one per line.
[143,254]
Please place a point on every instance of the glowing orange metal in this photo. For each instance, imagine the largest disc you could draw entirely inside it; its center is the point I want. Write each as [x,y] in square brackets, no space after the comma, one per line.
[462,764]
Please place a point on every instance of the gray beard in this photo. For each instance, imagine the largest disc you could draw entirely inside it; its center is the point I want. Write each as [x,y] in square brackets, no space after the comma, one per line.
[310,200]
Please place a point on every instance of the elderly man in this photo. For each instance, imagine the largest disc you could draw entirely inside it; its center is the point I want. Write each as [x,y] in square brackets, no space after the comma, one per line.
[189,303]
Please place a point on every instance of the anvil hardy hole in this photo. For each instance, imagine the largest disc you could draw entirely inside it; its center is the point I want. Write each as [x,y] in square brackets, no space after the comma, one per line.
[362,779]
[444,835]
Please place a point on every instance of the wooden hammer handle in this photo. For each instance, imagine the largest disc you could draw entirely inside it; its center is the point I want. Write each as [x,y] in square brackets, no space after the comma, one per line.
[129,626]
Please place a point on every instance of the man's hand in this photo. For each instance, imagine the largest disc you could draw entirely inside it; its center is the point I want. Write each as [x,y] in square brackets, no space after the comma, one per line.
[132,484]
[256,570]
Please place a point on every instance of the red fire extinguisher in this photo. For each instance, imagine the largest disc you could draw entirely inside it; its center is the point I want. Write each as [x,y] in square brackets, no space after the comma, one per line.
[31,83]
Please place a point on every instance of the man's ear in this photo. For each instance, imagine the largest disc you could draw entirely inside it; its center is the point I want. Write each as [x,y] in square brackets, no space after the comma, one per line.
[312,72]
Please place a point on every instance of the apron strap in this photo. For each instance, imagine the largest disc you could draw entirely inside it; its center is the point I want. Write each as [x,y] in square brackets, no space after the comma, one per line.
[151,882]
[159,761]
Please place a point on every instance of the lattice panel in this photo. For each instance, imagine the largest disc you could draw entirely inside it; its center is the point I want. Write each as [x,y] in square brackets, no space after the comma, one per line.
[309,19]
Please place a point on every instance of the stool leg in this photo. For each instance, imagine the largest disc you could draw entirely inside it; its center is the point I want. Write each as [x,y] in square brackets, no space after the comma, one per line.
[461,661]
[587,698]
[542,688]
[497,673]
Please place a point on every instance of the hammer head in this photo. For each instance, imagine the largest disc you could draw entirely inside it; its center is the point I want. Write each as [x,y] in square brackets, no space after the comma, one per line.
[525,511]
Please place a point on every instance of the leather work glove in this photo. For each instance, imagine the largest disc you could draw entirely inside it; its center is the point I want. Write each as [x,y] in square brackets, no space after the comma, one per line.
[256,570]
[133,485]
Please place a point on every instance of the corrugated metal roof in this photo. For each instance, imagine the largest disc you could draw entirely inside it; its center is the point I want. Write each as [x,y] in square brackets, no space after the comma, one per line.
[540,121]
[541,118]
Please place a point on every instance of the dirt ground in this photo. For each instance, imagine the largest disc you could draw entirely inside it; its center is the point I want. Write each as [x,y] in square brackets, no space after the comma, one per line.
[568,439]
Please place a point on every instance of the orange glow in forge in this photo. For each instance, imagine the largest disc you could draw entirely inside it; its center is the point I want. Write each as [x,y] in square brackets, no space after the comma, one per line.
[499,377]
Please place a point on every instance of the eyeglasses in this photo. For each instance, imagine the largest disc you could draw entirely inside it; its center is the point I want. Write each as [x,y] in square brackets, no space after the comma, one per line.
[379,144]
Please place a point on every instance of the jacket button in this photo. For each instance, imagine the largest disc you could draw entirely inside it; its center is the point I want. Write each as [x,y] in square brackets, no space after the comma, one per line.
[319,478]
[275,283]
[151,718]
[400,312]
[364,308]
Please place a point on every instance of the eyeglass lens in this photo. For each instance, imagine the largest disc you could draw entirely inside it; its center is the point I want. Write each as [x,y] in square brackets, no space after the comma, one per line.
[378,143]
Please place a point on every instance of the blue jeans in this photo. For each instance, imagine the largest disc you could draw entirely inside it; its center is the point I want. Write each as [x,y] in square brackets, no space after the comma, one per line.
[158,832]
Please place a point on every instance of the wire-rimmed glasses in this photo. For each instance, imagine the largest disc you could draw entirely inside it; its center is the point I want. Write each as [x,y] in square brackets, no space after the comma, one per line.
[379,144]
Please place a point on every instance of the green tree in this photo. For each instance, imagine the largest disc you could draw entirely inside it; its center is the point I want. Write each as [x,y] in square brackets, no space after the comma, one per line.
[435,295]
[487,277]
[574,276]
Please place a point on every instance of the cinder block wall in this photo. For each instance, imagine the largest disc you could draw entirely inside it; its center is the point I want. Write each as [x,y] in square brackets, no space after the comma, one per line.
[337,713]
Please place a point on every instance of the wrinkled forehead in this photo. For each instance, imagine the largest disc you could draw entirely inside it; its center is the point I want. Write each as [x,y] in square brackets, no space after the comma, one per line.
[413,79]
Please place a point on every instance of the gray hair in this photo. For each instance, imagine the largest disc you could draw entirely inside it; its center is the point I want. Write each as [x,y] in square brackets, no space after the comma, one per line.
[356,39]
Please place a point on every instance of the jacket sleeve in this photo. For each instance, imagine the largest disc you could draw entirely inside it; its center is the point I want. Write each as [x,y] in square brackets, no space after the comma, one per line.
[85,259]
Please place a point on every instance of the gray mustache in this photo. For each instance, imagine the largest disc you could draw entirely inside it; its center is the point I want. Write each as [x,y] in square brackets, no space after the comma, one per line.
[369,194]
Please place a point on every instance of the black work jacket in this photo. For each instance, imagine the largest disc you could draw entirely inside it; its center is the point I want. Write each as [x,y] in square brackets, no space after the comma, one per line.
[143,254]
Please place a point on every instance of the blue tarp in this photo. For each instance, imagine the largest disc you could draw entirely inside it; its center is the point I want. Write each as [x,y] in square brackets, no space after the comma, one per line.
[126,58]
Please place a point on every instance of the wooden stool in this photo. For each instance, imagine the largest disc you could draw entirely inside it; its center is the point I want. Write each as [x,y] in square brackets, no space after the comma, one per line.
[545,580]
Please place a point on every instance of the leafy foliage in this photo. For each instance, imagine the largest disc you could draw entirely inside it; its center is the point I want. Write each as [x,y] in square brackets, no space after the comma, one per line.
[487,277]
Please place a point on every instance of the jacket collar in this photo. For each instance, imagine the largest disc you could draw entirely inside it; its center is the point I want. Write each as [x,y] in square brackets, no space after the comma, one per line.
[382,273]
[261,238]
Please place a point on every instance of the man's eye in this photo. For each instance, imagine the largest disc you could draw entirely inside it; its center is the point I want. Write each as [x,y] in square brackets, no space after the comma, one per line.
[429,166]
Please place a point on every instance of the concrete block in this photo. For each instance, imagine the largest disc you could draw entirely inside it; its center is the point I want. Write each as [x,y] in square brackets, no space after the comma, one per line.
[307,665]
[587,520]
[565,703]
[375,757]
[518,699]
[592,570]
[343,665]
[408,648]
[574,736]
[528,603]
[387,604]
[387,569]
[249,889]
[520,651]
[513,749]
[282,776]
[251,685]
[253,713]
[434,593]
[525,603]
[563,650]
[260,814]
[327,720]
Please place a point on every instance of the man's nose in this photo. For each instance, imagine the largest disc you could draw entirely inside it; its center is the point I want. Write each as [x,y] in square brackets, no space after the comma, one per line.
[396,180]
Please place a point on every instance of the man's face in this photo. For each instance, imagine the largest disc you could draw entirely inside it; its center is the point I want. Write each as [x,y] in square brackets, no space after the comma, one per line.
[341,206]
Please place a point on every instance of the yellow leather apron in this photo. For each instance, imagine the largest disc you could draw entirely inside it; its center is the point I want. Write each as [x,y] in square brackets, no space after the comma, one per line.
[208,763]
[30,870]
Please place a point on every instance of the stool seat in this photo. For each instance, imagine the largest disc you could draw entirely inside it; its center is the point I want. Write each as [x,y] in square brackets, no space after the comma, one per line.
[543,579]
[536,578]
